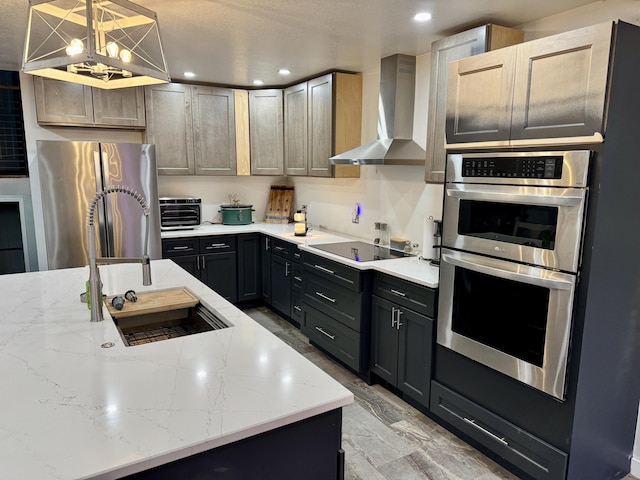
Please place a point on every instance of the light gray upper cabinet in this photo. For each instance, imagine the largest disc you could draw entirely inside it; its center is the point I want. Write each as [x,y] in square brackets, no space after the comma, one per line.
[544,92]
[193,128]
[170,127]
[295,129]
[462,45]
[214,130]
[266,132]
[323,117]
[72,104]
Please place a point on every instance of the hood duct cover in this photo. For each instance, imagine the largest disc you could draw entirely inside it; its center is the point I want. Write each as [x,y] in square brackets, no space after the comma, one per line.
[395,119]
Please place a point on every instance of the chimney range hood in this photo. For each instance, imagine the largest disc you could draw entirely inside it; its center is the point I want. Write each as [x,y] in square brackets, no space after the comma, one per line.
[395,119]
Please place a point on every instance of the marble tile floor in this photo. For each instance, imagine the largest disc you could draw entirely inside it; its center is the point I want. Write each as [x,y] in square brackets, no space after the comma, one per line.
[385,438]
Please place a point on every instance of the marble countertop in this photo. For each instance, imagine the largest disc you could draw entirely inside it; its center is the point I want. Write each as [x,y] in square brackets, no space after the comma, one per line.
[413,269]
[72,409]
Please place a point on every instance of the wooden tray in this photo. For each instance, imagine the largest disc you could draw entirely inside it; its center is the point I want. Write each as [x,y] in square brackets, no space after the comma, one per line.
[155,301]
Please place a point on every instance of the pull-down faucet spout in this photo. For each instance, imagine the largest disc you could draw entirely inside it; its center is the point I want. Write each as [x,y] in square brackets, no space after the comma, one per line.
[95,287]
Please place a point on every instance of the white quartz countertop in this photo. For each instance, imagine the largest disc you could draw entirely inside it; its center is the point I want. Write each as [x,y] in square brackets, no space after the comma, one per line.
[71,409]
[413,268]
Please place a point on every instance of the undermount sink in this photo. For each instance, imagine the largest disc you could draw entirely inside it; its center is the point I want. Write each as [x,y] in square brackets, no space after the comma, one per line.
[163,315]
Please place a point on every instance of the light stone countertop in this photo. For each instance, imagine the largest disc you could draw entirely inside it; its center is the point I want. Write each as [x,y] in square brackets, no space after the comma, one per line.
[72,409]
[413,268]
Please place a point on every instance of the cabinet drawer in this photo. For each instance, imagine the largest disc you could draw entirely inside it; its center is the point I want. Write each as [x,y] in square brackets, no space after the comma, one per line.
[530,454]
[333,299]
[282,248]
[416,297]
[338,340]
[343,275]
[296,308]
[177,247]
[218,244]
[297,278]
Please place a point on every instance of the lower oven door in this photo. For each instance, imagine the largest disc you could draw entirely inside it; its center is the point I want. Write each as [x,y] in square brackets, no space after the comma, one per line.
[510,317]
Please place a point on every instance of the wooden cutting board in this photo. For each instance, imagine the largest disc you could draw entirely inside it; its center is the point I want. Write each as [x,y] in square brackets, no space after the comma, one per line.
[153,302]
[279,209]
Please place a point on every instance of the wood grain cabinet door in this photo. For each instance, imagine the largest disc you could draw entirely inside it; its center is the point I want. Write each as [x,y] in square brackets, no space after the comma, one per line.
[62,103]
[321,135]
[170,127]
[214,130]
[122,107]
[266,132]
[561,84]
[479,99]
[295,129]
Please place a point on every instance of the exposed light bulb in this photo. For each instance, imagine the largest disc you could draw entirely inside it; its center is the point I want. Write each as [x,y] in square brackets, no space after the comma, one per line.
[75,47]
[112,49]
[125,55]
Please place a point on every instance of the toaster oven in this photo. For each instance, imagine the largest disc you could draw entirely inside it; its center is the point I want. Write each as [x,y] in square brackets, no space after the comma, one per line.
[179,213]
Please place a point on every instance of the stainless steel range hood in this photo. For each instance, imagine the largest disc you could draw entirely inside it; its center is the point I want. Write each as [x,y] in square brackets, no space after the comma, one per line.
[395,119]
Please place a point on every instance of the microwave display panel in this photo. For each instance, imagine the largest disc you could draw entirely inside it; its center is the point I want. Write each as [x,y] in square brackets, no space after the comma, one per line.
[513,167]
[520,224]
[504,314]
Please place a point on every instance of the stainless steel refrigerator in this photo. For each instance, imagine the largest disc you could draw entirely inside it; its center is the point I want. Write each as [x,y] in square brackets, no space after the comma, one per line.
[71,173]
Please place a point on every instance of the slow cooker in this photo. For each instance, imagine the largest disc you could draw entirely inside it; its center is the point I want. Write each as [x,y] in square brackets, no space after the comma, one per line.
[236,214]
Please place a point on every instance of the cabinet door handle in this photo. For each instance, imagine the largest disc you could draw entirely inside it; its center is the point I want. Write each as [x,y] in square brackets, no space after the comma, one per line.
[203,264]
[320,267]
[320,294]
[286,269]
[217,245]
[485,431]
[332,337]
[398,313]
[296,307]
[198,260]
[182,247]
[298,278]
[267,243]
[393,317]
[400,294]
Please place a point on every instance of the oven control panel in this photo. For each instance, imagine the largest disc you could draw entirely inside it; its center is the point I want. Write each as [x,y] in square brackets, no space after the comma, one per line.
[548,167]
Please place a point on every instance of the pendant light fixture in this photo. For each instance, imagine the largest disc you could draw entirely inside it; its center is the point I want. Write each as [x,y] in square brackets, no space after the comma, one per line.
[101,43]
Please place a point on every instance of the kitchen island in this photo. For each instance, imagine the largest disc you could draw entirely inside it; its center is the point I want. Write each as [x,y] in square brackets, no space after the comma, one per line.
[73,409]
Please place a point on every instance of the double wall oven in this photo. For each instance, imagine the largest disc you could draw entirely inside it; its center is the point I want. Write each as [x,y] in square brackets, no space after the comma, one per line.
[511,245]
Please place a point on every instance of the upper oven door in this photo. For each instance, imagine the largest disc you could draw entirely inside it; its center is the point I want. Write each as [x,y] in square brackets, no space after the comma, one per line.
[534,225]
[510,317]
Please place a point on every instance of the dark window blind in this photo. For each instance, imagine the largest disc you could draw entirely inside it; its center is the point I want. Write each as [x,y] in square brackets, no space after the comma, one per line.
[13,150]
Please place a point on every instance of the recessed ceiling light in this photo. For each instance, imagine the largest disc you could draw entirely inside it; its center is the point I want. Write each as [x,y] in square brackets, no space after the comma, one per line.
[258,82]
[422,17]
[284,71]
[189,74]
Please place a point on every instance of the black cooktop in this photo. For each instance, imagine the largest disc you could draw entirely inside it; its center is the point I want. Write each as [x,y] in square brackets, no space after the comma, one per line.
[360,251]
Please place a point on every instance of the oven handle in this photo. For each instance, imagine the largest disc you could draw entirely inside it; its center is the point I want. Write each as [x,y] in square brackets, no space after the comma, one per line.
[498,272]
[484,195]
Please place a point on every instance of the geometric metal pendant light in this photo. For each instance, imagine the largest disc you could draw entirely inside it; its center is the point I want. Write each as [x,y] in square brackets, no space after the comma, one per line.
[101,43]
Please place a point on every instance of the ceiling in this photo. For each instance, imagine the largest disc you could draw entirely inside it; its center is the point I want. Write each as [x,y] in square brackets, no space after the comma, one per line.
[234,42]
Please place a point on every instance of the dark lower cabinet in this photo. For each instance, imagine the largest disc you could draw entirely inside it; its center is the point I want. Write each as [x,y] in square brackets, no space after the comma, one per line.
[265,264]
[401,348]
[249,267]
[281,284]
[218,272]
[191,263]
[531,455]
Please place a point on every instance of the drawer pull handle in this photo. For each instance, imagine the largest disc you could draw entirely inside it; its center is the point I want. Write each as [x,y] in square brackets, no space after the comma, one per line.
[332,337]
[297,255]
[400,294]
[485,431]
[296,307]
[320,294]
[298,278]
[280,248]
[320,267]
[217,245]
[183,247]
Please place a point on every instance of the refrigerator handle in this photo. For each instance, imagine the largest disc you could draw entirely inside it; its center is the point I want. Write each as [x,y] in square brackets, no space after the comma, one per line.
[100,186]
